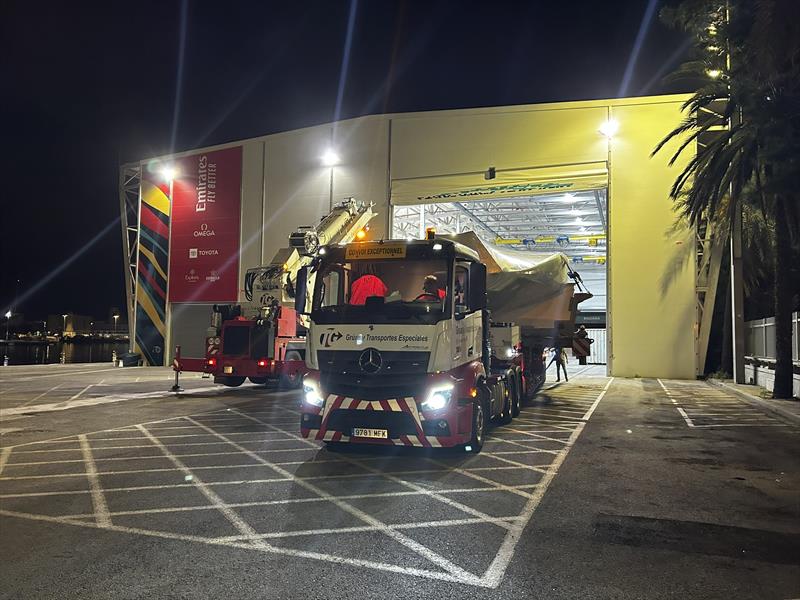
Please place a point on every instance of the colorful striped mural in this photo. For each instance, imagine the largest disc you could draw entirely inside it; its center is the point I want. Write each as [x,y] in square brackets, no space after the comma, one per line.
[151,272]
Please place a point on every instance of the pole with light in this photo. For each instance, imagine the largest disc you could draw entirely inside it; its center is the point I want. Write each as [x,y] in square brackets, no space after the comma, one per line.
[115,324]
[330,159]
[8,321]
[64,326]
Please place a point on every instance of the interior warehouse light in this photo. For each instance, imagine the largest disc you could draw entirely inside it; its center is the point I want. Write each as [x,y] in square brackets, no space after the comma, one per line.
[609,128]
[330,158]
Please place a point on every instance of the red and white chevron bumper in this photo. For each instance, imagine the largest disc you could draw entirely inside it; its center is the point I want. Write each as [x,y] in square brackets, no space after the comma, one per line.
[406,425]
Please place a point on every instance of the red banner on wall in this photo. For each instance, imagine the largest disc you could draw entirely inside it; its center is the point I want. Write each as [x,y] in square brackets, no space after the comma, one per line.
[204,246]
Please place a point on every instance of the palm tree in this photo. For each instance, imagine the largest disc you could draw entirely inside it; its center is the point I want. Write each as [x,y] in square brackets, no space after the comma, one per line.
[747,72]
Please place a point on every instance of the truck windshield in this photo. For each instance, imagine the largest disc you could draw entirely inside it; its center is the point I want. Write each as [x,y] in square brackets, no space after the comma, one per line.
[382,291]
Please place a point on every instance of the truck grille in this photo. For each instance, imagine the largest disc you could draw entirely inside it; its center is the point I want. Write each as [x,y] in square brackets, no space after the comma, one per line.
[402,374]
[398,423]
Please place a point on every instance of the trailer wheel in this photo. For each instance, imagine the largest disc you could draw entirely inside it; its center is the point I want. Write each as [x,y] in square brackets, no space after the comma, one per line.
[479,421]
[508,404]
[516,394]
[258,380]
[233,381]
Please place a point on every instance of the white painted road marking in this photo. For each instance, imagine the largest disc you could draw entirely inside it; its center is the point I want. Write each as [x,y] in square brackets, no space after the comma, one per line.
[98,499]
[242,433]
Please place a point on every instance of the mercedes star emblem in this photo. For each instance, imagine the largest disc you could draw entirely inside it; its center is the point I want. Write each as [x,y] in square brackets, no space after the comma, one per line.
[370,361]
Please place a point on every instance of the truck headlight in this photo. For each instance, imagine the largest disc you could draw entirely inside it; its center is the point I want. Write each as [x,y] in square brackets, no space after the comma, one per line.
[311,394]
[438,397]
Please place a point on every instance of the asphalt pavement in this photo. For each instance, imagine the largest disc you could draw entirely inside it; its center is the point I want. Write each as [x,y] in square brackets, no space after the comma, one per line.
[113,487]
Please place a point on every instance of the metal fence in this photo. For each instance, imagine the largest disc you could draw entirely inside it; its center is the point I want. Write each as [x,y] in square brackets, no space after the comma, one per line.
[760,337]
[598,351]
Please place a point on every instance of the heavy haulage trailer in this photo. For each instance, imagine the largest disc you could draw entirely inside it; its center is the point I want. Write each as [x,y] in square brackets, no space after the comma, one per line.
[448,336]
[262,339]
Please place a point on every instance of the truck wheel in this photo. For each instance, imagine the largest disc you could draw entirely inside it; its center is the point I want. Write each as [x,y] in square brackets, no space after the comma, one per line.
[516,395]
[233,381]
[508,404]
[479,421]
[293,380]
[258,380]
[290,381]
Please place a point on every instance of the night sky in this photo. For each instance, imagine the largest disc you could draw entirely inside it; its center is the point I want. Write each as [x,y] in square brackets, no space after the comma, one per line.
[87,85]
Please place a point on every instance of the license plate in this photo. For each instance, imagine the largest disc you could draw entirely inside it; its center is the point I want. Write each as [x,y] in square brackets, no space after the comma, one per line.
[227,370]
[366,432]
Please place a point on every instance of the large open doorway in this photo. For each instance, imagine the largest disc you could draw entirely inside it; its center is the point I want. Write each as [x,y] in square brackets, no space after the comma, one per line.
[573,223]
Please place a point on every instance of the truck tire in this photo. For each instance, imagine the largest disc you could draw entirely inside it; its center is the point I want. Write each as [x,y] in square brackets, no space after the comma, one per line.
[258,380]
[516,394]
[293,380]
[507,392]
[233,381]
[480,421]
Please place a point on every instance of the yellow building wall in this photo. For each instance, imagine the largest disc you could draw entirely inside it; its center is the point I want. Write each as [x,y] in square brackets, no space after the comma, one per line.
[651,280]
[651,274]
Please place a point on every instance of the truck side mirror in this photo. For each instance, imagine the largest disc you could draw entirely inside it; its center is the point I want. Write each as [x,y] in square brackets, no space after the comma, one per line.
[477,286]
[300,288]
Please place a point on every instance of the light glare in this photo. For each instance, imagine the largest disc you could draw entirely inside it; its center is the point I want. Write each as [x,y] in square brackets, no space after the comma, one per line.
[169,172]
[609,128]
[330,158]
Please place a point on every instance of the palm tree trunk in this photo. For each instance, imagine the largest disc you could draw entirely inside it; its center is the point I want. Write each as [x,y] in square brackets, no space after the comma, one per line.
[726,358]
[783,302]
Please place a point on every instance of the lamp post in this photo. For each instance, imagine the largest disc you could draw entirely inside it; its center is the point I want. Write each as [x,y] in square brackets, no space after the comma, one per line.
[8,321]
[330,159]
[115,324]
[64,326]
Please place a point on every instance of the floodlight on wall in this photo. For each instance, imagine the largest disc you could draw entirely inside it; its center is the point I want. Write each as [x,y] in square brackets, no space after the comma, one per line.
[330,158]
[169,172]
[609,128]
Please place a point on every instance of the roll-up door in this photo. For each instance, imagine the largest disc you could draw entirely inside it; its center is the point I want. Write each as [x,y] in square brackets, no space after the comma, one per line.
[464,187]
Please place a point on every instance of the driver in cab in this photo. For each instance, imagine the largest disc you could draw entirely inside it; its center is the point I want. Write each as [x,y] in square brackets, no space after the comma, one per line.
[431,292]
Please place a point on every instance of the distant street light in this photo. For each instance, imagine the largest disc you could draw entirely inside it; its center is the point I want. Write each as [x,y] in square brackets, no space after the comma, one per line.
[115,323]
[64,326]
[8,321]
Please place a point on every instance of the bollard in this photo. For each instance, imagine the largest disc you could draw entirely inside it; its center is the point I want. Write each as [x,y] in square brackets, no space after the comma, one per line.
[5,360]
[63,358]
[114,357]
[176,366]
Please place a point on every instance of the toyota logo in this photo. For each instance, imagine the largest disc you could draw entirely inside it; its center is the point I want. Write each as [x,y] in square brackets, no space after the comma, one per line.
[370,361]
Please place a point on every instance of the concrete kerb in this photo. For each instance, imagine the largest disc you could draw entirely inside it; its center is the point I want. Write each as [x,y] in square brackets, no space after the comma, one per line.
[765,405]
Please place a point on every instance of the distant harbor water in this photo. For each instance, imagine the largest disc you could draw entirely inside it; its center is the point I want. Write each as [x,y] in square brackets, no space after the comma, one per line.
[40,352]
